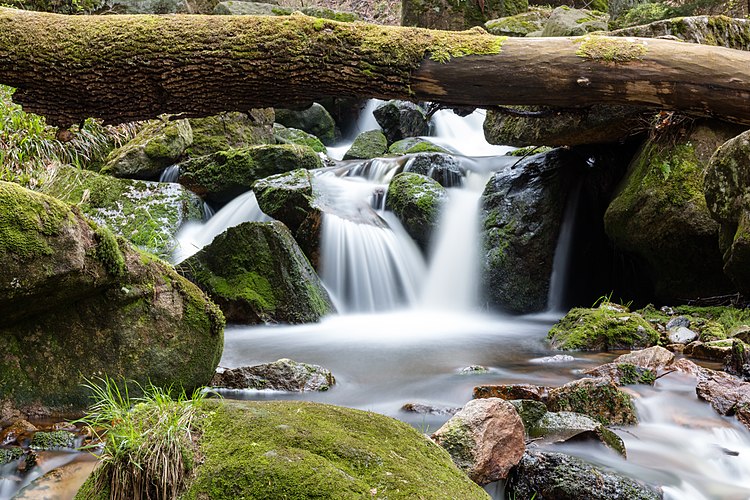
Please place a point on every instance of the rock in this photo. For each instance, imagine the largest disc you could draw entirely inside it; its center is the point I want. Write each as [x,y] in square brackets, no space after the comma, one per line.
[660,215]
[681,335]
[412,145]
[654,358]
[548,476]
[737,364]
[157,146]
[485,439]
[565,21]
[237,8]
[417,201]
[232,130]
[726,191]
[733,33]
[285,135]
[567,426]
[602,328]
[519,25]
[256,273]
[314,120]
[52,440]
[599,398]
[281,375]
[222,176]
[530,411]
[716,350]
[146,6]
[17,432]
[401,119]
[370,144]
[60,482]
[443,168]
[513,391]
[678,322]
[8,455]
[456,16]
[557,358]
[76,303]
[725,393]
[430,409]
[148,214]
[473,370]
[624,373]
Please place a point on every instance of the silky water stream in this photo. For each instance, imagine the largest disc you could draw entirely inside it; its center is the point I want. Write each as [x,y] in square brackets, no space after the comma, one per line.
[409,323]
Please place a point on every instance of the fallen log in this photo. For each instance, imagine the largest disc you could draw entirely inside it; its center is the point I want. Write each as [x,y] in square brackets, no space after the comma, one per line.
[126,68]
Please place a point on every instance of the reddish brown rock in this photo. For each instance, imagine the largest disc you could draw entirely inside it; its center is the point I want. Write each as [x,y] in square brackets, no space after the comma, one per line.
[17,432]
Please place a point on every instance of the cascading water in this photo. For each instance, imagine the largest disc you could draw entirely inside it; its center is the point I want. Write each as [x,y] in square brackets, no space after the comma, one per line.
[170,174]
[560,264]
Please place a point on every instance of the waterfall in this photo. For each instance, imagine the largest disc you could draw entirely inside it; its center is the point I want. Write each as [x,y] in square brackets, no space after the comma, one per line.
[170,174]
[463,135]
[560,265]
[365,122]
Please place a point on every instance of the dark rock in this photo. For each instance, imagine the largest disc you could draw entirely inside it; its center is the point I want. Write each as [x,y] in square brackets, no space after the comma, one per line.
[738,362]
[417,201]
[314,120]
[514,391]
[367,145]
[281,375]
[456,16]
[679,321]
[231,131]
[424,409]
[566,426]
[443,168]
[401,119]
[598,398]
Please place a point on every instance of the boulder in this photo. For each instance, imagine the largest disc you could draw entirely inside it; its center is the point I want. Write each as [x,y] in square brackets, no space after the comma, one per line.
[367,145]
[681,335]
[17,432]
[519,25]
[417,201]
[623,373]
[512,391]
[555,476]
[238,8]
[716,350]
[157,146]
[566,426]
[654,358]
[401,119]
[257,273]
[428,409]
[605,328]
[282,375]
[412,145]
[284,135]
[221,176]
[146,6]
[148,214]
[456,16]
[659,214]
[77,303]
[314,120]
[738,362]
[485,439]
[598,398]
[725,393]
[530,411]
[231,131]
[443,168]
[565,21]
[53,440]
[722,31]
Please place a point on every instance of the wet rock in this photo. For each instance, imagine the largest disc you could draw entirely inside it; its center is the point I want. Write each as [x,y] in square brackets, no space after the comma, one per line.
[717,350]
[555,476]
[367,145]
[681,335]
[473,370]
[557,358]
[485,439]
[10,454]
[733,33]
[427,409]
[565,21]
[43,440]
[417,201]
[314,120]
[61,482]
[529,410]
[519,25]
[653,358]
[623,373]
[17,432]
[232,130]
[281,375]
[598,398]
[566,426]
[257,273]
[443,168]
[677,322]
[221,176]
[737,364]
[401,119]
[514,391]
[725,393]
[603,328]
[412,145]
[284,135]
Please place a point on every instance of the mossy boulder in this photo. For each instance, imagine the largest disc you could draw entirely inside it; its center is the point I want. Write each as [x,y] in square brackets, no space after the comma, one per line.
[560,427]
[237,8]
[401,119]
[564,21]
[281,375]
[598,398]
[78,303]
[284,135]
[157,146]
[221,176]
[707,30]
[519,25]
[50,440]
[230,131]
[659,214]
[367,145]
[148,214]
[256,273]
[314,120]
[604,328]
[146,6]
[414,145]
[416,200]
[443,168]
[457,15]
[727,191]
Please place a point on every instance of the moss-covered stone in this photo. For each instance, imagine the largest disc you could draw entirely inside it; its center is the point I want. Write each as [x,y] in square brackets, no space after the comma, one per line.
[369,144]
[314,120]
[239,8]
[606,327]
[519,25]
[258,274]
[443,168]
[222,176]
[8,455]
[416,200]
[231,131]
[401,120]
[148,214]
[457,14]
[44,440]
[412,145]
[565,21]
[284,135]
[599,398]
[707,30]
[554,427]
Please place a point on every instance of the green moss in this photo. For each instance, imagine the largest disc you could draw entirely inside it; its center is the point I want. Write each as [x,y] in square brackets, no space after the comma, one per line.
[284,135]
[52,440]
[249,286]
[631,374]
[368,144]
[602,49]
[604,403]
[412,145]
[108,251]
[8,455]
[529,150]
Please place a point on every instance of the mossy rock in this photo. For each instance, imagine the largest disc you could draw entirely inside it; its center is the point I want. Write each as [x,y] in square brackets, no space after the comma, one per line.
[44,440]
[256,273]
[367,145]
[157,146]
[604,328]
[412,145]
[148,214]
[443,168]
[557,427]
[231,131]
[519,25]
[8,455]
[720,31]
[598,398]
[314,120]
[146,7]
[457,15]
[224,175]
[81,304]
[659,213]
[237,8]
[565,21]
[284,135]
[416,200]
[401,120]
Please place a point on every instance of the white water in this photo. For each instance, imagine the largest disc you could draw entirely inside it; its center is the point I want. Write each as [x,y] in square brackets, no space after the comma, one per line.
[561,263]
[170,174]
[366,122]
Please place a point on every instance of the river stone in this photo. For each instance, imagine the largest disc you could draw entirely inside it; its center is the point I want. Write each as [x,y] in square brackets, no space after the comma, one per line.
[565,21]
[367,145]
[157,146]
[230,131]
[724,392]
[511,391]
[555,476]
[623,373]
[77,303]
[417,201]
[148,214]
[17,432]
[456,16]
[257,273]
[443,168]
[473,370]
[485,439]
[716,350]
[652,358]
[224,175]
[681,335]
[314,120]
[44,440]
[529,410]
[567,426]
[281,375]
[401,119]
[519,25]
[237,8]
[429,409]
[659,214]
[737,364]
[722,31]
[284,135]
[412,145]
[598,398]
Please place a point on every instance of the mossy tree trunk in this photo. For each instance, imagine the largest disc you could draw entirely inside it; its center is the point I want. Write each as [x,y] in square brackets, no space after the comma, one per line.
[125,68]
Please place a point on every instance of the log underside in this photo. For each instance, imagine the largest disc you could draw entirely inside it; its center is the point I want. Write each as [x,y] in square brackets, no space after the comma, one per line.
[127,68]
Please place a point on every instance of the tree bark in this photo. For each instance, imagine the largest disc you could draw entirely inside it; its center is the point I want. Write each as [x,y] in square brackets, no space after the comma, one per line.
[126,68]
